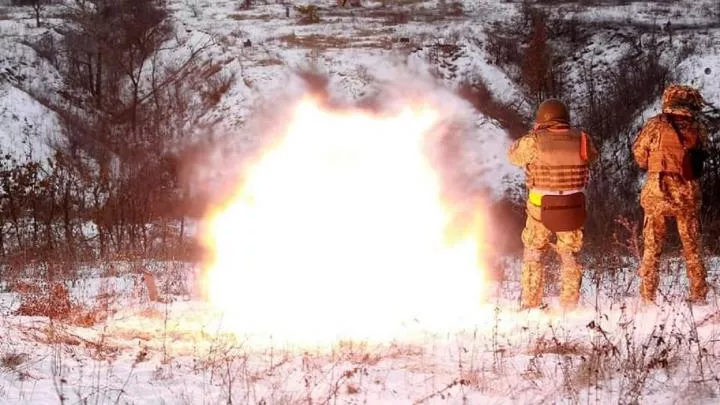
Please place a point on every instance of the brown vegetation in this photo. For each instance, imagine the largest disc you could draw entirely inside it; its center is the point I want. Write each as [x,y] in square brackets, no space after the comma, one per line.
[115,188]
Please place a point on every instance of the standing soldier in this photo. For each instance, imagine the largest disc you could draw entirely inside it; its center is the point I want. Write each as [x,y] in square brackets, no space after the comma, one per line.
[555,157]
[670,148]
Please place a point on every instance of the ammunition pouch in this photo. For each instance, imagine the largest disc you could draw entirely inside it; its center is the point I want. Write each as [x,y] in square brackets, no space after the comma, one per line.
[563,213]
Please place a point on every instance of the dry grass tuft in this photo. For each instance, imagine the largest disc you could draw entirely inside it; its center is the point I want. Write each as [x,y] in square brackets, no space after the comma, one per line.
[269,62]
[555,346]
[41,299]
[254,17]
[592,370]
[324,42]
[315,41]
[308,14]
[12,361]
[405,2]
[52,300]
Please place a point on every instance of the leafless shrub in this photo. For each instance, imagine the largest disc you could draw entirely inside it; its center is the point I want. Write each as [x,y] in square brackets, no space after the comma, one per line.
[40,299]
[592,370]
[524,47]
[246,17]
[13,360]
[451,9]
[38,6]
[194,7]
[710,182]
[688,47]
[49,208]
[617,272]
[502,47]
[308,14]
[52,299]
[46,48]
[477,92]
[553,345]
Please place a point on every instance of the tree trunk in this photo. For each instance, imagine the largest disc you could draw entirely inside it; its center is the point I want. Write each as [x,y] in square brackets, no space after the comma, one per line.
[15,221]
[49,240]
[90,73]
[67,220]
[98,79]
[136,101]
[2,239]
[143,234]
[101,238]
[37,7]
[34,208]
[97,216]
[182,231]
[164,225]
[120,227]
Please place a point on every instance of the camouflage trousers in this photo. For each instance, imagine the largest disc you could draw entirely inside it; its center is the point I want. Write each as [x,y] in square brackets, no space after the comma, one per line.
[654,232]
[537,240]
[663,197]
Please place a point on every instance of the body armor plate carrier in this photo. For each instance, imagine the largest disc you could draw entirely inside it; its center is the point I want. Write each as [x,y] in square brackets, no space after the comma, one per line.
[560,167]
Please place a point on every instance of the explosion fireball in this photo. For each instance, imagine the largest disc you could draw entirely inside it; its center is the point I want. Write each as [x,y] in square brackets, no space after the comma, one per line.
[339,231]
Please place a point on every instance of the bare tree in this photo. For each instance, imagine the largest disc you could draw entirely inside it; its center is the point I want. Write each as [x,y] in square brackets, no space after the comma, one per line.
[125,112]
[537,69]
[37,6]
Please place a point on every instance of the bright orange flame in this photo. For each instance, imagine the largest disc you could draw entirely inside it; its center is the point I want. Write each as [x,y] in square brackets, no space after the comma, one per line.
[339,231]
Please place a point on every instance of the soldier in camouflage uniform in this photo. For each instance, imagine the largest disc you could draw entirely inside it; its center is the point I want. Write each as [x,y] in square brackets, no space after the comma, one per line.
[555,157]
[671,189]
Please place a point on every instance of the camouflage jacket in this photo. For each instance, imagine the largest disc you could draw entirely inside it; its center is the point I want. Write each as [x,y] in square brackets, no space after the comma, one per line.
[665,195]
[649,138]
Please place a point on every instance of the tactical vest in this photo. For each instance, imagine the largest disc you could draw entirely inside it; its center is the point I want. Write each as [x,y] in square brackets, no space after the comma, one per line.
[670,156]
[559,165]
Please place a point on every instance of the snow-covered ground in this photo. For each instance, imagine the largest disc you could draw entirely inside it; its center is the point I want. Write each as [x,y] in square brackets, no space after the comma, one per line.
[610,350]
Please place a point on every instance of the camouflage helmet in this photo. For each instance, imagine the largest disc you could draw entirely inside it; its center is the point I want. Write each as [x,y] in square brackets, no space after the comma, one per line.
[552,110]
[677,96]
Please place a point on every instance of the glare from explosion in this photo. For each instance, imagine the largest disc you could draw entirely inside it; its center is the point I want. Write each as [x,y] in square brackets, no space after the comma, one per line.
[339,231]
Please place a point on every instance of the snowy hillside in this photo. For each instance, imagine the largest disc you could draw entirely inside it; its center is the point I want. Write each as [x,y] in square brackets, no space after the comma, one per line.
[357,48]
[27,126]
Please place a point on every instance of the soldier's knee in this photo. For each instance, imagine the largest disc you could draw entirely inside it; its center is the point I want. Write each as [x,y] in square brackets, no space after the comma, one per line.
[571,242]
[570,263]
